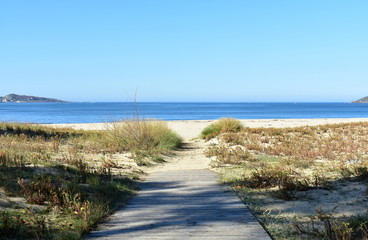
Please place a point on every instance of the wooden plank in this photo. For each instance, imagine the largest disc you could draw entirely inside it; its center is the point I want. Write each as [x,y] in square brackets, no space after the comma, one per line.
[185,204]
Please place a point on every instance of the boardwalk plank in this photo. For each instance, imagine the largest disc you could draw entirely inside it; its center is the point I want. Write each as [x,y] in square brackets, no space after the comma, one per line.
[185,204]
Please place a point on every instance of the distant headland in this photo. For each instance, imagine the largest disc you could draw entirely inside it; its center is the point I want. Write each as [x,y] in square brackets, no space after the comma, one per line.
[362,100]
[14,98]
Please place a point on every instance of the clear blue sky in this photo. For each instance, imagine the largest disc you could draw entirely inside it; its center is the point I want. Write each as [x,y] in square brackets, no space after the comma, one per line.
[185,50]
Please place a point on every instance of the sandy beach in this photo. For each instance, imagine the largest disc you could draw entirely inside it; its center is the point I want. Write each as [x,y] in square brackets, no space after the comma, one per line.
[190,129]
[323,171]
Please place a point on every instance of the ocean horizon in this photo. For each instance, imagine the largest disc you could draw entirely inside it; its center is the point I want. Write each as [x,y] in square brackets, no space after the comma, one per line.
[94,112]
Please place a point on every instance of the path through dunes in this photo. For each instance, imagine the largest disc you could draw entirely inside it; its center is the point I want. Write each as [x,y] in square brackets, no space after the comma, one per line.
[183,200]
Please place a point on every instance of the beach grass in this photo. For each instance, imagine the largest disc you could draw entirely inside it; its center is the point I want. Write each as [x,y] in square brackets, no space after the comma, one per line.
[302,183]
[59,183]
[220,126]
[146,139]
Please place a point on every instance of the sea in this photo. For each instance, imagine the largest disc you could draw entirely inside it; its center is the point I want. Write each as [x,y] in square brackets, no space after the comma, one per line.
[113,111]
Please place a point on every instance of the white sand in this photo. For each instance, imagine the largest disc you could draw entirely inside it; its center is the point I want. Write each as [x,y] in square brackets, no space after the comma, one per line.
[190,129]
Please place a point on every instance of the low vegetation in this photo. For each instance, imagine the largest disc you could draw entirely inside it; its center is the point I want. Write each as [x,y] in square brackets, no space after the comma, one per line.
[58,183]
[146,139]
[223,125]
[302,183]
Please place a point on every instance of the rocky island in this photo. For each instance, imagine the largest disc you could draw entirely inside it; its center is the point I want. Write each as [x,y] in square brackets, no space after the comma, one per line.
[362,100]
[14,98]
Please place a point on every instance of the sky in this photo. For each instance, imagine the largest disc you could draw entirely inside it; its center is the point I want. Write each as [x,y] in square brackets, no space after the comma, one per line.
[185,50]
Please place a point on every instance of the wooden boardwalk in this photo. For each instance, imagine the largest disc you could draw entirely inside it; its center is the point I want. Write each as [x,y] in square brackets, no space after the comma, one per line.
[184,204]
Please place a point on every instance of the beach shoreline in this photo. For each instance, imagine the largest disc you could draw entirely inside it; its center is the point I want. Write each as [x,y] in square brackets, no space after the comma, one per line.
[190,129]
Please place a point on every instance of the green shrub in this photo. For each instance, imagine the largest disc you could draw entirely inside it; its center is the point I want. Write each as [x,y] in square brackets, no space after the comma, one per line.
[223,125]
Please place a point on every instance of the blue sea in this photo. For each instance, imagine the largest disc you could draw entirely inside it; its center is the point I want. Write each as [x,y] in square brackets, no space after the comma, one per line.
[105,112]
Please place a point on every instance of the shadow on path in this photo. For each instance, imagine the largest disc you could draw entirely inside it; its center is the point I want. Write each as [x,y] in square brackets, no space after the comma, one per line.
[184,204]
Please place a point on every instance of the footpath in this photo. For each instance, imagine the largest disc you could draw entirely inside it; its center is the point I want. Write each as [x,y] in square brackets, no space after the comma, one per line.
[182,199]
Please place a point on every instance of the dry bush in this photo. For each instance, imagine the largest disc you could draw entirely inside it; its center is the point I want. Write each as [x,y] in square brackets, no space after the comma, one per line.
[226,155]
[354,228]
[232,138]
[286,179]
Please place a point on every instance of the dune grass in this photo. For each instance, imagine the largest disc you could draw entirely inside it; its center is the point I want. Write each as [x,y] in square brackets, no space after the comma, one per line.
[303,166]
[220,126]
[144,138]
[65,181]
